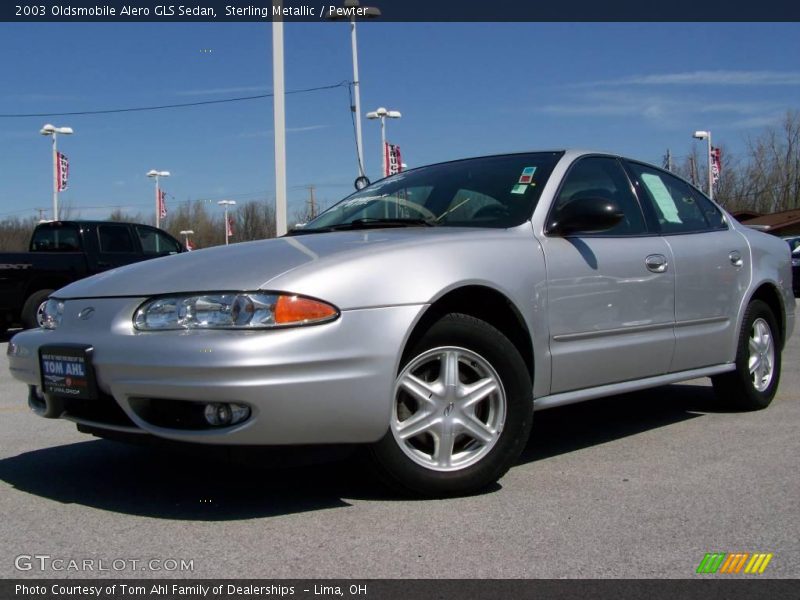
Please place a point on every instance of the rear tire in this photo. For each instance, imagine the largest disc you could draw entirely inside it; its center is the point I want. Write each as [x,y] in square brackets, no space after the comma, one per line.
[32,307]
[753,384]
[461,413]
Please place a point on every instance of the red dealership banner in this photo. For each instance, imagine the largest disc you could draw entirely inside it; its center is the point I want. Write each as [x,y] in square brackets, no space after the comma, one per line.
[229,225]
[392,160]
[162,205]
[716,164]
[62,171]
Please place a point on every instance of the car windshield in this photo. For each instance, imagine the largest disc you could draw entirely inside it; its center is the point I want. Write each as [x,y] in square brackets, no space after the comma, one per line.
[496,191]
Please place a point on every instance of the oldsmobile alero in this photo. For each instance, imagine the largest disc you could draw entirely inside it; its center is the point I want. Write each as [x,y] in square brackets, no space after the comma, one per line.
[426,317]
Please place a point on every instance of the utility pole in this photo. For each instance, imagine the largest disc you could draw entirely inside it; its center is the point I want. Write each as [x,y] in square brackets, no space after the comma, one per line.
[668,160]
[693,170]
[41,213]
[312,205]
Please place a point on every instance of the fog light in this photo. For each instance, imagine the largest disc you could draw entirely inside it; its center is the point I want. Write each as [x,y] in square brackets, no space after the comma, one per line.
[221,414]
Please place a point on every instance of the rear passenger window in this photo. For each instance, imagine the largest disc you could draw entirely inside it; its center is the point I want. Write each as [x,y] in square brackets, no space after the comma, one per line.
[713,215]
[154,241]
[676,204]
[115,238]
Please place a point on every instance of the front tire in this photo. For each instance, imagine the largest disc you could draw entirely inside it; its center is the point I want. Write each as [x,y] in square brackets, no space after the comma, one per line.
[753,384]
[461,412]
[33,307]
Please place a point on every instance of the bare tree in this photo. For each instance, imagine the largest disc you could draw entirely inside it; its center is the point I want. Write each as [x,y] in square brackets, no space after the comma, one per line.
[15,234]
[774,166]
[254,220]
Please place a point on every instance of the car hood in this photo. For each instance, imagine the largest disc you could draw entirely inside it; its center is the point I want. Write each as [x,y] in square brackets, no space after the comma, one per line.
[253,265]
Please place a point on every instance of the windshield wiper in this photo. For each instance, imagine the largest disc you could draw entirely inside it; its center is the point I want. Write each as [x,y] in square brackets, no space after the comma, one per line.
[367,223]
[384,222]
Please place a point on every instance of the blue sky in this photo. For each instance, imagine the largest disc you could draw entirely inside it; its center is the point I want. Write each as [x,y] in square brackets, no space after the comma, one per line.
[463,89]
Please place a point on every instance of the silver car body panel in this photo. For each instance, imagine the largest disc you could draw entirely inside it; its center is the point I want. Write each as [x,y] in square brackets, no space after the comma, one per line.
[599,321]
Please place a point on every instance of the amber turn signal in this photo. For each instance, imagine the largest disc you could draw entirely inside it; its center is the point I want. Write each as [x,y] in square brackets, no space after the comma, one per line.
[293,310]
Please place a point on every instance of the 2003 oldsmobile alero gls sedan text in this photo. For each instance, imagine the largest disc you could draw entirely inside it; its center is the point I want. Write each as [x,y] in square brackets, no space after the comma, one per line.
[426,316]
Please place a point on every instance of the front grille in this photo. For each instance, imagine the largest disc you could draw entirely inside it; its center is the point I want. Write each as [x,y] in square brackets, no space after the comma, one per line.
[104,410]
[171,414]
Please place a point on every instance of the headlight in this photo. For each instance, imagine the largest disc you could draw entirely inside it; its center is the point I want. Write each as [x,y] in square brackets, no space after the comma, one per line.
[229,310]
[51,315]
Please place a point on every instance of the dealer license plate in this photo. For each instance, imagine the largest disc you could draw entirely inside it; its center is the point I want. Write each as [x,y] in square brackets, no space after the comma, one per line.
[67,371]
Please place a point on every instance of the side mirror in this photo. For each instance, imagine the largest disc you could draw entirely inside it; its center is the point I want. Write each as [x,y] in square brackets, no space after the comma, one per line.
[586,215]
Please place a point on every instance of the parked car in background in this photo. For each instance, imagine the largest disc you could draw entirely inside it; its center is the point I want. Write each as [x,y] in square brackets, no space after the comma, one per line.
[426,317]
[61,252]
[794,245]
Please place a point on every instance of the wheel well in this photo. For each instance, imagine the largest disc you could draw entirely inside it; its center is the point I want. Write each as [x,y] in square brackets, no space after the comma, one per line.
[768,294]
[43,284]
[487,305]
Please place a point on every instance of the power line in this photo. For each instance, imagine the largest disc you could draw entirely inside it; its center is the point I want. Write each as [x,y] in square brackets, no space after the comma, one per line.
[164,106]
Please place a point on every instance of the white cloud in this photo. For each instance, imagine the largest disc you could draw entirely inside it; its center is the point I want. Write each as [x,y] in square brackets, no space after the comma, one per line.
[664,109]
[767,120]
[706,78]
[269,132]
[306,128]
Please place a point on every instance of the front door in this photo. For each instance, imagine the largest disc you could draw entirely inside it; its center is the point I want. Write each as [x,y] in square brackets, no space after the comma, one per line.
[611,296]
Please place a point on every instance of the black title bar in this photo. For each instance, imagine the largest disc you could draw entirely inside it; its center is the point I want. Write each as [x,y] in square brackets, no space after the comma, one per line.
[404,10]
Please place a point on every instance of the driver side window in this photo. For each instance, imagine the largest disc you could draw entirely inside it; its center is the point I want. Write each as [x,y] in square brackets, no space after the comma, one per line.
[601,177]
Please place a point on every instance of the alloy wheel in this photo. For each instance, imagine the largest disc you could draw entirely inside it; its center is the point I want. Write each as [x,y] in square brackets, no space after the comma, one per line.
[449,409]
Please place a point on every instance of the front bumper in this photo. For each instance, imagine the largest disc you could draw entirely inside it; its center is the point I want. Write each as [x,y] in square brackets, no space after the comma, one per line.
[330,383]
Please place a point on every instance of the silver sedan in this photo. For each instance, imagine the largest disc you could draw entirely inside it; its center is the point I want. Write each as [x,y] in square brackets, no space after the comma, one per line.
[426,317]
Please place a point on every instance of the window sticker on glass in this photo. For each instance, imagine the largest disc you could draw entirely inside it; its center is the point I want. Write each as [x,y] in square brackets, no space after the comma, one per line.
[519,189]
[527,175]
[361,200]
[662,197]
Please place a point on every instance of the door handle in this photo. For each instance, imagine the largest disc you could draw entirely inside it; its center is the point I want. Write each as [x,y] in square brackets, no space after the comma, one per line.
[736,258]
[657,263]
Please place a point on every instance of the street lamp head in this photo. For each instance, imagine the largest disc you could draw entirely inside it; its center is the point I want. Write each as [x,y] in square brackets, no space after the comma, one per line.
[187,232]
[701,135]
[372,115]
[154,173]
[381,112]
[226,202]
[394,114]
[51,129]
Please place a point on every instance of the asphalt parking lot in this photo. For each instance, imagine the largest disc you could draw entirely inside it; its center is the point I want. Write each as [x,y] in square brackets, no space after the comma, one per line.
[634,486]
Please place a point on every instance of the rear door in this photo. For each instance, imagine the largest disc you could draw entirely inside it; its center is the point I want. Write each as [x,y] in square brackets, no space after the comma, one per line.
[116,246]
[155,242]
[711,267]
[611,300]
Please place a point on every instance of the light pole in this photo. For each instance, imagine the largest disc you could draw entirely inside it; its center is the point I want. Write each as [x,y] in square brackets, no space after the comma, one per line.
[279,122]
[156,174]
[706,135]
[383,114]
[368,12]
[186,233]
[53,131]
[226,204]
